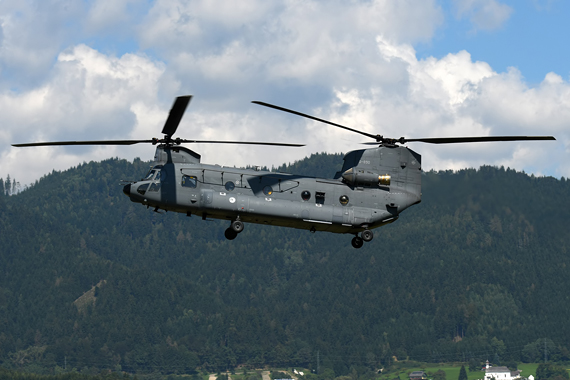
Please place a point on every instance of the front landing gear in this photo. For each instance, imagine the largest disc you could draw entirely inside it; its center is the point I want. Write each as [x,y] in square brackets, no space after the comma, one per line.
[365,236]
[230,234]
[234,229]
[357,242]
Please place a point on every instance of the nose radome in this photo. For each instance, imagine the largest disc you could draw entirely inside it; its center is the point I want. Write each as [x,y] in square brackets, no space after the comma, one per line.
[127,190]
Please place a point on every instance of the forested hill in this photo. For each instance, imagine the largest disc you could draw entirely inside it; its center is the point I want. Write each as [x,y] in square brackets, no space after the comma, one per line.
[89,279]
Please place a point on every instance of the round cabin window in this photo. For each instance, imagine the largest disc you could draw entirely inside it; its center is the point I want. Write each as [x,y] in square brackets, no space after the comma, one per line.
[306,195]
[230,186]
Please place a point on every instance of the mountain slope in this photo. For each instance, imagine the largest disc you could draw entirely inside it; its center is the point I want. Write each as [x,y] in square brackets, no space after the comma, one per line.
[478,269]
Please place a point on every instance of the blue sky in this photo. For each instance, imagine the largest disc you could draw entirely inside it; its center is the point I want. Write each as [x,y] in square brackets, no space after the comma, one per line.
[532,38]
[109,69]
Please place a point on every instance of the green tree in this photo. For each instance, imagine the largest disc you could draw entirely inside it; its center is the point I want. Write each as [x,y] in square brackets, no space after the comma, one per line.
[474,365]
[462,373]
[547,371]
[439,375]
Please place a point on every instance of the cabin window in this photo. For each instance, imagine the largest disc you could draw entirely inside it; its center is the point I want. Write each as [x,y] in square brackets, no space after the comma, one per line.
[306,195]
[320,198]
[343,200]
[142,188]
[189,181]
[230,186]
[268,190]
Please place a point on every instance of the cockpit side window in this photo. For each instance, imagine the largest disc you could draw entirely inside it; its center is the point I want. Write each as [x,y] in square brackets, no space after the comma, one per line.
[155,186]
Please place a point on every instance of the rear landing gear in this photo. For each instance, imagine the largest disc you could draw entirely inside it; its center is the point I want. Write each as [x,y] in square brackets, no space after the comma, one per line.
[365,236]
[234,229]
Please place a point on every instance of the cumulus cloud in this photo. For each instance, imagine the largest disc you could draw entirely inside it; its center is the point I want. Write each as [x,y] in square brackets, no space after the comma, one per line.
[33,34]
[265,47]
[90,96]
[454,96]
[351,63]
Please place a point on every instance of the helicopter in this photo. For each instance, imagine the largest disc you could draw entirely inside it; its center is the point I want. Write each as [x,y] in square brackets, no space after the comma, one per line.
[372,189]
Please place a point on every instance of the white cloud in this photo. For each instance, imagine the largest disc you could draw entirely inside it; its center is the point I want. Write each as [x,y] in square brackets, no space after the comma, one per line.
[33,34]
[352,63]
[88,97]
[455,96]
[294,44]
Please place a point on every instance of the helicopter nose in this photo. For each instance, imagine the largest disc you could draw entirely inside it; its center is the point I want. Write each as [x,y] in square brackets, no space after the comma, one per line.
[127,190]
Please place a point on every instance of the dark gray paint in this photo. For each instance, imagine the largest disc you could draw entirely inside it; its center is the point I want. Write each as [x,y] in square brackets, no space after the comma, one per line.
[370,206]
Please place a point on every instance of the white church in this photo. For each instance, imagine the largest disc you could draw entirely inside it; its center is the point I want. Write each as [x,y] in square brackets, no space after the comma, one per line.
[500,373]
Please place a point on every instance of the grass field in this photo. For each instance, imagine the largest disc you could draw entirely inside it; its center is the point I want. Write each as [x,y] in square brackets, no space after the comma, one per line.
[452,371]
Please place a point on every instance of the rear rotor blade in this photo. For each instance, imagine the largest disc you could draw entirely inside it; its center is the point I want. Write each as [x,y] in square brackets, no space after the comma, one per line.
[237,142]
[376,137]
[95,142]
[456,140]
[175,115]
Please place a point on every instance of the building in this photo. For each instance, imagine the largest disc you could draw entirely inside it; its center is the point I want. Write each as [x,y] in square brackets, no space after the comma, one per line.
[418,375]
[500,373]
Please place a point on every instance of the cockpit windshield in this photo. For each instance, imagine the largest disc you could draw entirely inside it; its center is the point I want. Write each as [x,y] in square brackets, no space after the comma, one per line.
[154,173]
[150,175]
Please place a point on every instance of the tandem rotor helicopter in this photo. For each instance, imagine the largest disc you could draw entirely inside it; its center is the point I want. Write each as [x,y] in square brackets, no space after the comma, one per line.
[373,187]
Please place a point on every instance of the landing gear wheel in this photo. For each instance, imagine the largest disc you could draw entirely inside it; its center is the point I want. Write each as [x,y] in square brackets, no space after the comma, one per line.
[357,242]
[237,226]
[367,235]
[230,234]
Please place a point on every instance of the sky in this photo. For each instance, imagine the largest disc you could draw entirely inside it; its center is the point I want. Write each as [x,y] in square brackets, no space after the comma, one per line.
[110,69]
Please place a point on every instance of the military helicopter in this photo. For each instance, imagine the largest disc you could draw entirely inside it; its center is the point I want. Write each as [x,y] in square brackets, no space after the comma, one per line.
[371,190]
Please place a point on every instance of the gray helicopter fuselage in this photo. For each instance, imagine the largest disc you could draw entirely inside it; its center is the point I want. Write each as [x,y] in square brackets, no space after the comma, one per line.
[372,189]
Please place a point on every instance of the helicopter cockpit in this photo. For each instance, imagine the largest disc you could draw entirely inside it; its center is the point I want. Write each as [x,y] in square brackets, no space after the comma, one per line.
[154,173]
[151,182]
[150,175]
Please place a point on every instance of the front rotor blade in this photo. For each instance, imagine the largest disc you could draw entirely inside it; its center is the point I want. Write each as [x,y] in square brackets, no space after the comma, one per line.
[95,142]
[376,137]
[455,140]
[238,142]
[175,115]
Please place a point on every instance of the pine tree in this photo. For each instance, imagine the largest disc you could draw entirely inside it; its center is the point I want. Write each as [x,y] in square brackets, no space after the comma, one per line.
[462,373]
[7,185]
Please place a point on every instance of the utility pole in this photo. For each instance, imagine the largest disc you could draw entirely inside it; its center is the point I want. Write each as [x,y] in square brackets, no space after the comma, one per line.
[318,362]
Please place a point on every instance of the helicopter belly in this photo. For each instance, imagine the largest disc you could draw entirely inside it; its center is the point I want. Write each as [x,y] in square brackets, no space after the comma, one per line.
[287,213]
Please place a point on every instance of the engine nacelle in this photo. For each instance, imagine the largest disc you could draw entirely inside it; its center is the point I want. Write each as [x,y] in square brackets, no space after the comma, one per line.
[356,176]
